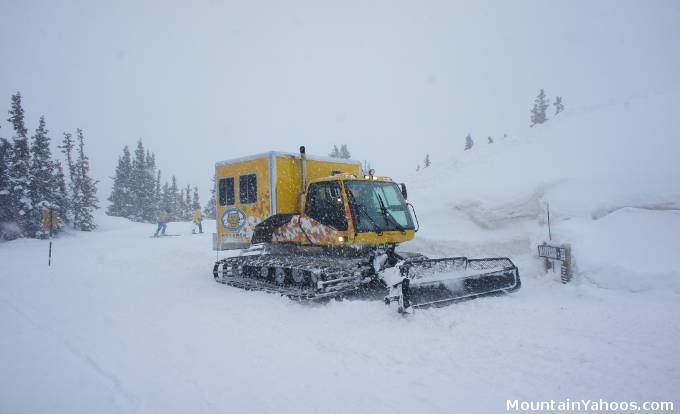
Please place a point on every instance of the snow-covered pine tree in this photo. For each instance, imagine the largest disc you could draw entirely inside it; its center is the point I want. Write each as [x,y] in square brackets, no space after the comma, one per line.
[344,152]
[61,200]
[559,107]
[468,142]
[149,208]
[120,198]
[335,153]
[138,189]
[41,190]
[85,190]
[210,209]
[195,202]
[173,195]
[427,160]
[19,175]
[165,197]
[187,203]
[538,115]
[490,139]
[181,207]
[66,148]
[158,195]
[6,213]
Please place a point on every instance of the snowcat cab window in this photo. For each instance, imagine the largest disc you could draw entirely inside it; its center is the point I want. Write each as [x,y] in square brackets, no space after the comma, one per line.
[226,191]
[325,205]
[378,206]
[247,188]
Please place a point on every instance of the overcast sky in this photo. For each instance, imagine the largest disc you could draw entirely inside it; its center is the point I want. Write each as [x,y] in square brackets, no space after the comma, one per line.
[203,81]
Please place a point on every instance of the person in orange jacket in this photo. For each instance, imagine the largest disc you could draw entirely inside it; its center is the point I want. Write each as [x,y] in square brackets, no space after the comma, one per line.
[197,219]
[163,218]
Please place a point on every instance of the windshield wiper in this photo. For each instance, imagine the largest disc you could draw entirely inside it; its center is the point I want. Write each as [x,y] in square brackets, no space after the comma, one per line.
[389,215]
[361,207]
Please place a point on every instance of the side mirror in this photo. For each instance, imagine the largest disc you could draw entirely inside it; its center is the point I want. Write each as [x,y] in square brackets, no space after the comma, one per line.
[403,191]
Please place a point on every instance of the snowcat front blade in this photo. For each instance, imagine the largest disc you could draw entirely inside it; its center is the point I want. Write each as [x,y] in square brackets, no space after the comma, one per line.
[439,282]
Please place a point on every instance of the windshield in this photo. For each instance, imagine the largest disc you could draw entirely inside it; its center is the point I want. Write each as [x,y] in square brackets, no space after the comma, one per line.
[377,206]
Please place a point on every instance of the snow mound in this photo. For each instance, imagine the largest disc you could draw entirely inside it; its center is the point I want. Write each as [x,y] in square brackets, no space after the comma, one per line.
[608,173]
[632,249]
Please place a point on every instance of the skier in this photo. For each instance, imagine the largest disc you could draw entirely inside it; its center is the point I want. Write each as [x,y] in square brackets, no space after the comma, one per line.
[162,222]
[197,219]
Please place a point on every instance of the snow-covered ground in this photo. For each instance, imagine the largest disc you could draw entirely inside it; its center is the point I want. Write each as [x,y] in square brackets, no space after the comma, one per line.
[126,323]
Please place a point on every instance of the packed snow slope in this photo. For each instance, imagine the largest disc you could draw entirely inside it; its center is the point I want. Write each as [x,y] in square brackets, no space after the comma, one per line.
[125,323]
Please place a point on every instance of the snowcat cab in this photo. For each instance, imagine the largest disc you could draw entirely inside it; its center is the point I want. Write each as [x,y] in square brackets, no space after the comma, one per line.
[342,239]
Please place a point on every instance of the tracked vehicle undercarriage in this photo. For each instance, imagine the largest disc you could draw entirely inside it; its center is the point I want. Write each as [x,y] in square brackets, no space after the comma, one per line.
[414,281]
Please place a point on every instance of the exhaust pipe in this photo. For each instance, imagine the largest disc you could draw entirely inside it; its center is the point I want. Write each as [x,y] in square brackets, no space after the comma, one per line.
[303,161]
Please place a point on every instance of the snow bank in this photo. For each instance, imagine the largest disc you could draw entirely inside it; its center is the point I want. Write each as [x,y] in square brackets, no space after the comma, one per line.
[607,172]
[584,161]
[631,249]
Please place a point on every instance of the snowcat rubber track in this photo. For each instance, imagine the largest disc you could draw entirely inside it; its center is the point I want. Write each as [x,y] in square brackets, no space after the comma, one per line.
[325,276]
[439,282]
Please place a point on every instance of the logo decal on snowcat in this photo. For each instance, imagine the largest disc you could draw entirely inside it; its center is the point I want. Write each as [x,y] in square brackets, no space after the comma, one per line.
[234,219]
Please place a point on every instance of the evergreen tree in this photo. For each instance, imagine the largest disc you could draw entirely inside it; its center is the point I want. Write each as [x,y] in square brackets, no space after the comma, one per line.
[173,195]
[41,191]
[187,203]
[418,168]
[344,152]
[427,160]
[138,174]
[19,175]
[490,140]
[559,107]
[181,214]
[61,201]
[85,190]
[165,197]
[210,209]
[195,202]
[67,149]
[158,194]
[149,184]
[335,153]
[6,216]
[468,142]
[121,197]
[538,115]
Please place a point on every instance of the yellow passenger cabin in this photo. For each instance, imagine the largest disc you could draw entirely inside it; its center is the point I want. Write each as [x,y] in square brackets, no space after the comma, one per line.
[250,189]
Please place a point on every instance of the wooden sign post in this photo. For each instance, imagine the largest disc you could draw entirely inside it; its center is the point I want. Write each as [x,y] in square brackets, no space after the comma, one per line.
[50,223]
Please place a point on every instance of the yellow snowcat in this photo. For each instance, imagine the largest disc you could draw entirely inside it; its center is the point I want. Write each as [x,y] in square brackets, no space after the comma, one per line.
[312,228]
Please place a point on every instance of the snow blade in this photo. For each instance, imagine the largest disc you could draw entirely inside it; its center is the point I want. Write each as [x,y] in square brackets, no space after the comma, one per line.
[439,282]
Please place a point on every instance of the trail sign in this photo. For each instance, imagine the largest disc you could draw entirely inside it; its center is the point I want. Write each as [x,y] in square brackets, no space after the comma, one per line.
[552,252]
[50,223]
[562,254]
[50,219]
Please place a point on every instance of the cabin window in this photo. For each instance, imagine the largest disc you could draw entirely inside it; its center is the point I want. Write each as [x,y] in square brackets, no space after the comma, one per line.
[226,191]
[325,205]
[247,188]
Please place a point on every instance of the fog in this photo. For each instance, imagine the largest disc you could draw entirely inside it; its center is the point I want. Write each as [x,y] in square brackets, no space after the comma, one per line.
[393,80]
